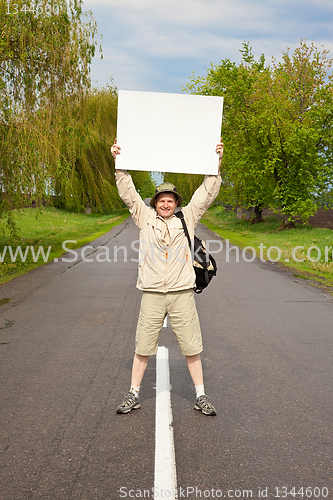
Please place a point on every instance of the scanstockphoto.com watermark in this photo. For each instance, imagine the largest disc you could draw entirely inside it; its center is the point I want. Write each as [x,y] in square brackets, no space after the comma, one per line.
[180,492]
[116,254]
[195,492]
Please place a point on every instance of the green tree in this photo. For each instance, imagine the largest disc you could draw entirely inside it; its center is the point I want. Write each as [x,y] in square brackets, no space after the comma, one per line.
[297,115]
[277,129]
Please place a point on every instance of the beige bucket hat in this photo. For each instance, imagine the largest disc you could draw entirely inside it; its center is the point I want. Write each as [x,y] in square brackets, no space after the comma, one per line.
[166,187]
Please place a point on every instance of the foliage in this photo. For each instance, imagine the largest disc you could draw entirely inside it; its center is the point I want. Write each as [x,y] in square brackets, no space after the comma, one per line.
[84,173]
[186,183]
[55,130]
[277,129]
[143,183]
[48,144]
[299,105]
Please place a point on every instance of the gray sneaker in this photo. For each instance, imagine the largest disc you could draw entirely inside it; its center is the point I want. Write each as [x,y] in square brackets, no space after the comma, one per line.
[130,403]
[204,405]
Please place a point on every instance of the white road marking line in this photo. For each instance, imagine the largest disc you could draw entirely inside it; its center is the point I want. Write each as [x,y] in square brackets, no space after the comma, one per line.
[165,324]
[165,463]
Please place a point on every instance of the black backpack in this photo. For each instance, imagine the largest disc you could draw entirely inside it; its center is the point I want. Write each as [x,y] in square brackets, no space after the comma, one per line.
[204,264]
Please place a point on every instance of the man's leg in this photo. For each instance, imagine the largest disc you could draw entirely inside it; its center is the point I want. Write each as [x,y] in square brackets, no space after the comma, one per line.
[151,317]
[202,402]
[132,401]
[195,368]
[138,369]
[185,324]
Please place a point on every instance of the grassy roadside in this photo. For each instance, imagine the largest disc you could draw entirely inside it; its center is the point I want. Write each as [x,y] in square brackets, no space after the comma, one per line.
[307,250]
[45,231]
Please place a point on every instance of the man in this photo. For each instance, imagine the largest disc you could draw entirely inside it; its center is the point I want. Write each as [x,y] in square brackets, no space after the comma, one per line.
[166,276]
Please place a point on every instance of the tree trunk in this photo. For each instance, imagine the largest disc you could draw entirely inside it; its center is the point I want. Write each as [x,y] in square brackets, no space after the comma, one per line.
[287,224]
[258,214]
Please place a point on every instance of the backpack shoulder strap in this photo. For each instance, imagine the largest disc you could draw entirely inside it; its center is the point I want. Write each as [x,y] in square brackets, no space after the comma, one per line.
[180,216]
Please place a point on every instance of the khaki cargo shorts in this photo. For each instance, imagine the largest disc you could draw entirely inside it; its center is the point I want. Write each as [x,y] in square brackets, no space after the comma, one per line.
[182,311]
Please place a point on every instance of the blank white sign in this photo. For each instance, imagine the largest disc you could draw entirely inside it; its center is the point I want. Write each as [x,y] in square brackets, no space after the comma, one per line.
[168,132]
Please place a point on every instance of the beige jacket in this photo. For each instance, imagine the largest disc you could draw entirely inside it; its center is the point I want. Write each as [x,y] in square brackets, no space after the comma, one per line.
[164,255]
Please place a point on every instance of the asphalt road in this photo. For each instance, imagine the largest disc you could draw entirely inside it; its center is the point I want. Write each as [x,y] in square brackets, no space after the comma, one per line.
[66,347]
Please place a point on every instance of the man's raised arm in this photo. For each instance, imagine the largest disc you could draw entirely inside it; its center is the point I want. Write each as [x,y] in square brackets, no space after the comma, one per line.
[127,191]
[205,194]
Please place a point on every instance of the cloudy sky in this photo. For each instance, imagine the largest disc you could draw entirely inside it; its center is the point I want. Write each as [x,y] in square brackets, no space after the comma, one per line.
[155,45]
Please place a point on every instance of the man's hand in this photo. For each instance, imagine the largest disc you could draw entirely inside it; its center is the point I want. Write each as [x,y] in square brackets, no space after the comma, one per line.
[219,151]
[115,149]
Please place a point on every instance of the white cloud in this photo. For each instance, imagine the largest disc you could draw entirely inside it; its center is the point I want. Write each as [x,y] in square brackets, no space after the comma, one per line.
[128,72]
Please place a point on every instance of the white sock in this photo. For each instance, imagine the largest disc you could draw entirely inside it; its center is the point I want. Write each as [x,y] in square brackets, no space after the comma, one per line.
[199,390]
[135,391]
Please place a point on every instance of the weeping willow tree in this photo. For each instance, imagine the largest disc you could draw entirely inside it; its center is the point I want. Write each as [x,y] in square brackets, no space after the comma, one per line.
[84,174]
[53,131]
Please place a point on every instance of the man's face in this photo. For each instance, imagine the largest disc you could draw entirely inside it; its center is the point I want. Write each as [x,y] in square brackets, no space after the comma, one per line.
[165,204]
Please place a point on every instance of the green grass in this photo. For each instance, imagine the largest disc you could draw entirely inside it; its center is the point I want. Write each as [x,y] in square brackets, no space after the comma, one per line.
[242,234]
[50,227]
